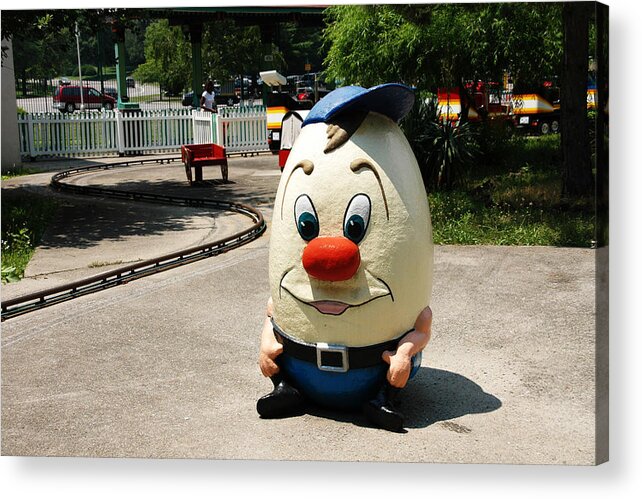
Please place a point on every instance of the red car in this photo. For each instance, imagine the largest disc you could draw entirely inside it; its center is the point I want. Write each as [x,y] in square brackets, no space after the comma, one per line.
[67,99]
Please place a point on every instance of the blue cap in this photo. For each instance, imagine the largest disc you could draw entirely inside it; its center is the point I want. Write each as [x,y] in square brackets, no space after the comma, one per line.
[390,99]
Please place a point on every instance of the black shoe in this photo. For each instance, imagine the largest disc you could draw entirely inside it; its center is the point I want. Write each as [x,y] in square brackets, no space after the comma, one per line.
[284,400]
[382,412]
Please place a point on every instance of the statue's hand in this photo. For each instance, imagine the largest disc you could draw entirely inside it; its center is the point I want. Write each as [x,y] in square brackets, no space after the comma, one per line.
[268,352]
[400,366]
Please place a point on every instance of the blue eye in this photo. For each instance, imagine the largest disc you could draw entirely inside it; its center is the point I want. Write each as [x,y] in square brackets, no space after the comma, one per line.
[356,218]
[308,226]
[305,217]
[355,229]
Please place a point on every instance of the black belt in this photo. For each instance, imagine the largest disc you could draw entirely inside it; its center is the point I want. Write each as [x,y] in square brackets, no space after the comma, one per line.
[335,358]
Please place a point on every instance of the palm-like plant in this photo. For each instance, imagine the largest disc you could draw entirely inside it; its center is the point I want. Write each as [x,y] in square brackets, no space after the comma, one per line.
[444,149]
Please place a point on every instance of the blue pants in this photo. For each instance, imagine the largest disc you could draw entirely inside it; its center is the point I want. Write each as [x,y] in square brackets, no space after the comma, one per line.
[349,390]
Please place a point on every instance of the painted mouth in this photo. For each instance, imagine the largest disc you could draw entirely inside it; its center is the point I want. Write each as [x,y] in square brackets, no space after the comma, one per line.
[329,307]
[298,284]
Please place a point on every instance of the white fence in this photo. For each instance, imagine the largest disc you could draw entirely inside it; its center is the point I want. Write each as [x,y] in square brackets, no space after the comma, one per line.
[203,127]
[239,130]
[242,129]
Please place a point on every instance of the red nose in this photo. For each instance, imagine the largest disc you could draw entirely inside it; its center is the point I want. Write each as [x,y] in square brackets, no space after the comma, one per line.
[331,258]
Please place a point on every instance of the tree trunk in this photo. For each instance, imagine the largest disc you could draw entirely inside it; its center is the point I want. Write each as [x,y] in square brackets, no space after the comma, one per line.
[577,171]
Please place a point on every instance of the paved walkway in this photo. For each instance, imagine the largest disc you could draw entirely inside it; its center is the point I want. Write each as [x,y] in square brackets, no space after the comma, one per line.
[166,366]
[92,235]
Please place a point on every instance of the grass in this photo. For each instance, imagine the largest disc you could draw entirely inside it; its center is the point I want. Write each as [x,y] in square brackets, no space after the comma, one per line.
[25,217]
[18,172]
[155,98]
[514,200]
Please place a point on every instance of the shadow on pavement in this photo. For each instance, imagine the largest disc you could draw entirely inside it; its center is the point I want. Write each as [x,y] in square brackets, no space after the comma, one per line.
[252,191]
[433,395]
[85,224]
[84,221]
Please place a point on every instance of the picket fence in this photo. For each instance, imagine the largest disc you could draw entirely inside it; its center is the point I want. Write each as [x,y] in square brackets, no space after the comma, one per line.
[240,130]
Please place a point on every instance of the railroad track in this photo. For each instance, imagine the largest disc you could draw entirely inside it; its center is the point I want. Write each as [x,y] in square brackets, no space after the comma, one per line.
[35,301]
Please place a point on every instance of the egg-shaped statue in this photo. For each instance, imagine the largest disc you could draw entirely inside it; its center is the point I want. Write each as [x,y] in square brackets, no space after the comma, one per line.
[350,261]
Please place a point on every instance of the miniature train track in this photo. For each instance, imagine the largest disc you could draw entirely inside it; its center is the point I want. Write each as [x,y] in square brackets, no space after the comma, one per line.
[40,299]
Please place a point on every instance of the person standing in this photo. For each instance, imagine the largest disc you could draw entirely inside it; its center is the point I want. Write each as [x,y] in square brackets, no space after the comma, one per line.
[208,100]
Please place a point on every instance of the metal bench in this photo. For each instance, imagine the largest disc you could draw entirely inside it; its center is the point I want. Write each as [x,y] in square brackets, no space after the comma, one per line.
[199,155]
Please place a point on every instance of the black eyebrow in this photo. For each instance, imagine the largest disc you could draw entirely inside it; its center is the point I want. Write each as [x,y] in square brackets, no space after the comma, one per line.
[359,164]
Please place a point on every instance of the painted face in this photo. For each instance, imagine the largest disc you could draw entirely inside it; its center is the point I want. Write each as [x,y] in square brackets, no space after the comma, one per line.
[351,242]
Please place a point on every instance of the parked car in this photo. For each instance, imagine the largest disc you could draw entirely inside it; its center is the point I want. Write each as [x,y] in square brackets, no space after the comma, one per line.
[67,99]
[64,81]
[112,92]
[188,98]
[131,83]
[251,86]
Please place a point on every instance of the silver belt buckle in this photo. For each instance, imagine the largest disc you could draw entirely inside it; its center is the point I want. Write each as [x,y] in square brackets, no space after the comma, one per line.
[326,348]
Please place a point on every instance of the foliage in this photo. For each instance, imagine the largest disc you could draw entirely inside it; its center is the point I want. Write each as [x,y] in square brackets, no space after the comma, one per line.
[25,217]
[17,172]
[300,46]
[453,149]
[496,140]
[516,200]
[373,44]
[38,23]
[44,40]
[525,38]
[167,57]
[230,50]
[227,50]
[444,150]
[437,45]
[458,218]
[88,71]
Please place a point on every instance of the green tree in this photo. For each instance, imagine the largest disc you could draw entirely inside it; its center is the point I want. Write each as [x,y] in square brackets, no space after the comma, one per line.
[167,57]
[300,46]
[524,38]
[37,24]
[372,44]
[227,50]
[442,44]
[230,50]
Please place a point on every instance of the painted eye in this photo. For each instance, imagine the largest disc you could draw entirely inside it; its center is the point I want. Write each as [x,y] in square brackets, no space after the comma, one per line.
[355,221]
[305,217]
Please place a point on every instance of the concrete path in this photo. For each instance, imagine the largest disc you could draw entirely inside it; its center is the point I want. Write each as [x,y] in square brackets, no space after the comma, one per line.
[166,366]
[92,235]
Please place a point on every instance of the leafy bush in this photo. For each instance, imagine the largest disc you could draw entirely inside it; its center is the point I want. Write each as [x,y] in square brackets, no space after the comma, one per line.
[25,217]
[488,185]
[496,140]
[87,71]
[444,150]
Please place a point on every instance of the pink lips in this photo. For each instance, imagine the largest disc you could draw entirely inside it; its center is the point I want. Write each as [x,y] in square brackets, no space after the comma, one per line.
[330,307]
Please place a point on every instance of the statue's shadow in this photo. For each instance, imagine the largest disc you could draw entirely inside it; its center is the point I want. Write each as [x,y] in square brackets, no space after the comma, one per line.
[433,395]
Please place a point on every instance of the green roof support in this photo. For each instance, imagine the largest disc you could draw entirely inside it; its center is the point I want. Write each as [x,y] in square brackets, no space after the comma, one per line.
[121,70]
[195,32]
